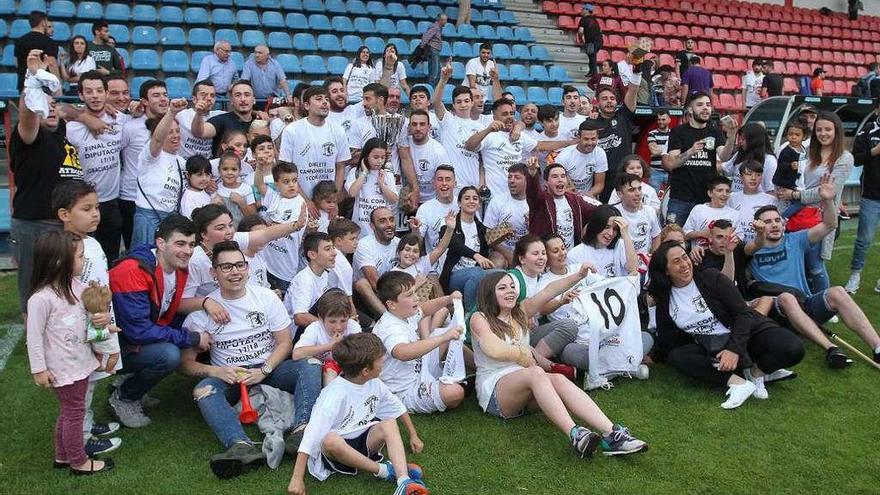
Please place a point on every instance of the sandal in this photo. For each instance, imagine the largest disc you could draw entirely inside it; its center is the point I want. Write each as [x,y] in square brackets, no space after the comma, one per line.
[60,464]
[108,465]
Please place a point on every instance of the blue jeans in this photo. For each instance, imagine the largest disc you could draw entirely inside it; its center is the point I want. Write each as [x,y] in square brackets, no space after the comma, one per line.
[791,209]
[433,67]
[677,211]
[467,280]
[869,214]
[302,378]
[146,222]
[815,265]
[148,364]
[658,179]
[23,236]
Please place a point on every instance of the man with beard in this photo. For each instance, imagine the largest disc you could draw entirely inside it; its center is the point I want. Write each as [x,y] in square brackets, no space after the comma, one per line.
[100,158]
[105,55]
[691,158]
[203,92]
[528,115]
[420,99]
[341,113]
[375,255]
[616,125]
[570,120]
[683,58]
[555,209]
[456,128]
[427,153]
[513,209]
[317,147]
[585,162]
[432,213]
[242,114]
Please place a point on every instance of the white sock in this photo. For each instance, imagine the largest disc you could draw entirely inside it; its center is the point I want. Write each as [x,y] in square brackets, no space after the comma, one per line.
[877,350]
[383,471]
[401,479]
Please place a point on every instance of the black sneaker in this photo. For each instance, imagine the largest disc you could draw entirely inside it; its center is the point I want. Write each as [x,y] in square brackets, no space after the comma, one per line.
[104,429]
[291,443]
[237,459]
[836,359]
[877,356]
[99,446]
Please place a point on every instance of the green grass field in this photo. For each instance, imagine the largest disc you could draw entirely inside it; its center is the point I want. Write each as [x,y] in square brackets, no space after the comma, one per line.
[816,434]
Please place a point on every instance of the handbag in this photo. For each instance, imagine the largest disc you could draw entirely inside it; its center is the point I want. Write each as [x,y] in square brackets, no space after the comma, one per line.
[419,55]
[805,218]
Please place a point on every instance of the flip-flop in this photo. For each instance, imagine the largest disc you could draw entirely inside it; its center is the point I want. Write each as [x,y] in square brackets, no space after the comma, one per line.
[108,465]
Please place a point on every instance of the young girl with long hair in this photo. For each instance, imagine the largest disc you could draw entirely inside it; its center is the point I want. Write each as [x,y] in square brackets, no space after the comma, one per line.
[607,244]
[370,185]
[357,74]
[78,63]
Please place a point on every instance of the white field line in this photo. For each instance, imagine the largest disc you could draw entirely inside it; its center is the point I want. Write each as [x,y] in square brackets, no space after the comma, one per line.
[8,342]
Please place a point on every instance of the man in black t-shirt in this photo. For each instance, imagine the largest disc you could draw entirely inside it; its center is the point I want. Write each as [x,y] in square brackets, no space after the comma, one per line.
[772,84]
[615,128]
[241,99]
[36,39]
[683,58]
[692,157]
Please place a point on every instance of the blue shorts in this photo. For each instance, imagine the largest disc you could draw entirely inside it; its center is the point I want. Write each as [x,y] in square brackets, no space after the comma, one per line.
[358,443]
[495,410]
[817,307]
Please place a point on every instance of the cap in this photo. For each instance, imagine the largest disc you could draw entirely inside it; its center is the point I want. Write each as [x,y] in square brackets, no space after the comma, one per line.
[588,7]
[809,109]
[818,71]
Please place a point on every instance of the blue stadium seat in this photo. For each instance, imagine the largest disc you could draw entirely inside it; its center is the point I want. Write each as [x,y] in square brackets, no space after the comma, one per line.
[452,13]
[246,4]
[176,2]
[517,91]
[523,34]
[351,43]
[145,35]
[143,13]
[83,29]
[19,28]
[377,9]
[503,72]
[118,31]
[62,31]
[290,63]
[58,9]
[403,48]
[200,37]
[195,3]
[423,26]
[169,14]
[336,65]
[195,16]
[445,49]
[175,61]
[145,59]
[457,71]
[221,3]
[123,54]
[25,7]
[136,84]
[416,11]
[4,30]
[335,6]
[413,43]
[449,30]
[500,51]
[364,25]
[375,44]
[505,33]
[296,21]
[554,96]
[196,60]
[253,37]
[537,95]
[385,26]
[484,32]
[447,94]
[269,4]
[237,59]
[505,16]
[230,35]
[540,54]
[538,73]
[329,43]
[172,36]
[405,27]
[517,73]
[8,59]
[279,40]
[520,52]
[319,22]
[273,19]
[356,7]
[432,11]
[89,10]
[117,12]
[222,17]
[313,6]
[8,85]
[491,17]
[291,5]
[467,32]
[304,42]
[313,64]
[396,9]
[342,24]
[462,49]
[558,73]
[248,18]
[7,8]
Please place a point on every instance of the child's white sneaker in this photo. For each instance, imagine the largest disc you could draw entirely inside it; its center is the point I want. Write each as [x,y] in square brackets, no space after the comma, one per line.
[737,394]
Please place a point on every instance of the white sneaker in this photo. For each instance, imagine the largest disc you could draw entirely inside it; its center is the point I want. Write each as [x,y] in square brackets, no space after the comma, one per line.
[760,390]
[737,394]
[852,285]
[602,382]
[642,372]
[779,375]
[877,286]
[834,319]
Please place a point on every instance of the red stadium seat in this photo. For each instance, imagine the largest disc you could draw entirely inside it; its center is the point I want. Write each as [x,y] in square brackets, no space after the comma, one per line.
[725,64]
[842,87]
[740,104]
[612,26]
[852,72]
[791,68]
[789,86]
[710,63]
[565,9]
[602,56]
[566,22]
[837,70]
[719,81]
[667,59]
[727,102]
[549,7]
[828,86]
[740,65]
[734,81]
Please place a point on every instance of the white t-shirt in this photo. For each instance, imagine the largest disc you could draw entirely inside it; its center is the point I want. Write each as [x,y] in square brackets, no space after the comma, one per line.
[545,157]
[643,227]
[690,313]
[306,288]
[315,150]
[569,127]
[244,190]
[355,80]
[99,155]
[134,137]
[316,334]
[398,75]
[513,211]
[370,252]
[582,167]
[499,153]
[200,283]
[283,257]
[369,197]
[471,240]
[347,410]
[563,311]
[609,262]
[169,288]
[247,339]
[257,269]
[362,130]
[81,66]
[731,169]
[454,131]
[747,205]
[426,158]
[564,221]
[752,85]
[400,376]
[482,78]
[94,263]
[344,272]
[159,181]
[432,214]
[245,173]
[189,144]
[702,214]
[191,200]
[649,196]
[344,118]
[280,209]
[422,266]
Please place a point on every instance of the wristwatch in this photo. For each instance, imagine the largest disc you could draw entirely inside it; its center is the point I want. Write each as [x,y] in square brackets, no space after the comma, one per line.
[267,369]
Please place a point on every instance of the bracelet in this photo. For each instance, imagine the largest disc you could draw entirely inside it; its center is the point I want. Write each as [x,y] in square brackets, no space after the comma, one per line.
[204,301]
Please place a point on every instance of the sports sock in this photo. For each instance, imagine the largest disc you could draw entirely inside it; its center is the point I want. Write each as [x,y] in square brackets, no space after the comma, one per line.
[383,471]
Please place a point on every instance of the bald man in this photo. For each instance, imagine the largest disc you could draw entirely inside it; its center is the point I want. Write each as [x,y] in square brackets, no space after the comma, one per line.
[265,74]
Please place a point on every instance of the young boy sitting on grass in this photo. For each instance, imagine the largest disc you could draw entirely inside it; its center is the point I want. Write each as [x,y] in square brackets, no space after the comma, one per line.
[333,324]
[353,418]
[416,345]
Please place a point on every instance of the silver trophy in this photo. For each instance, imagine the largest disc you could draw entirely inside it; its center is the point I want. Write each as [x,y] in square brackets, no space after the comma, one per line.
[388,127]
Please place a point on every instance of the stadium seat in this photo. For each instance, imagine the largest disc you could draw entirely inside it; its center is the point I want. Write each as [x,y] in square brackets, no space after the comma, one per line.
[170,15]
[62,31]
[396,10]
[357,7]
[83,29]
[118,12]
[414,72]
[58,9]
[89,10]
[118,31]
[143,13]
[558,73]
[403,48]
[200,37]
[364,25]
[416,11]
[222,17]
[336,65]
[136,84]
[175,61]
[272,20]
[304,42]
[319,22]
[432,11]
[503,72]
[540,53]
[335,6]
[518,73]
[405,27]
[8,59]
[237,59]
[221,3]
[245,4]
[196,60]
[385,26]
[462,49]
[313,64]
[297,22]
[518,93]
[445,49]
[524,34]
[279,40]
[25,7]
[7,8]
[499,50]
[505,33]
[727,101]
[313,6]
[252,37]
[538,73]
[377,9]
[291,5]
[230,35]
[554,96]
[506,17]
[19,28]
[289,62]
[171,36]
[247,18]
[269,4]
[341,24]
[8,85]
[145,59]
[447,94]
[195,16]
[375,44]
[329,43]
[457,71]
[145,35]
[520,52]
[467,32]
[351,43]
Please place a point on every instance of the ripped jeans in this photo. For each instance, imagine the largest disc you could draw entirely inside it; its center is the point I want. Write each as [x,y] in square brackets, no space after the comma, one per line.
[215,398]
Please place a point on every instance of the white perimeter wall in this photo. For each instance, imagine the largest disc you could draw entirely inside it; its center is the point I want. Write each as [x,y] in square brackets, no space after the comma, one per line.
[872,7]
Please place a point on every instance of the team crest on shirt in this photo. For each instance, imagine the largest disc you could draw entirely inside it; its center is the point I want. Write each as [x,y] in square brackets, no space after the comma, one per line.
[256,318]
[370,404]
[328,148]
[517,145]
[700,304]
[423,165]
[642,229]
[609,269]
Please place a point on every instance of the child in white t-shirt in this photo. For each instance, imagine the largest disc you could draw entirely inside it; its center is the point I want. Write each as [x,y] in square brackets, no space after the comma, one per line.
[333,324]
[370,185]
[237,196]
[199,181]
[409,251]
[325,195]
[353,418]
[254,253]
[696,228]
[634,164]
[283,204]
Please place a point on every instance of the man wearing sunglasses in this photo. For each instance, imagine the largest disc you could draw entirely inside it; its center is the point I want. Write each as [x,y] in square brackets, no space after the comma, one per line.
[253,347]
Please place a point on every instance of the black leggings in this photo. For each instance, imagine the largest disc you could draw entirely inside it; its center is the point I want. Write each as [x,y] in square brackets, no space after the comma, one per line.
[770,350]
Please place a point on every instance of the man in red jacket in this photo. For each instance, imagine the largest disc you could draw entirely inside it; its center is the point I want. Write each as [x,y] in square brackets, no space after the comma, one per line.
[555,209]
[147,289]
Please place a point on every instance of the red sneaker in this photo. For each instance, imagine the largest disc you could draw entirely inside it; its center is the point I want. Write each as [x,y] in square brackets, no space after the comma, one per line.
[569,372]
